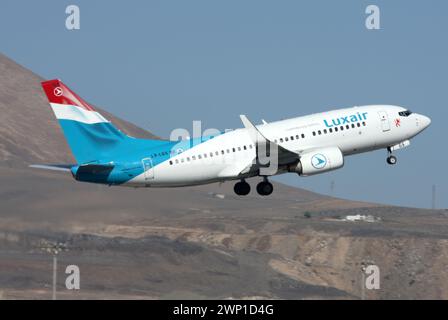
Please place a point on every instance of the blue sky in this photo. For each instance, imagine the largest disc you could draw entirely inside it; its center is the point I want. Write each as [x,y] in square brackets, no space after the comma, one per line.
[162,64]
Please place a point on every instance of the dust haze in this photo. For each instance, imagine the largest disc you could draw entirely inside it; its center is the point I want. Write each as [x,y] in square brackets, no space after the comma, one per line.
[192,243]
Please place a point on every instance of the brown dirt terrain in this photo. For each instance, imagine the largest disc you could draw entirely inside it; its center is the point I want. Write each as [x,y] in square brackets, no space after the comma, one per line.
[199,242]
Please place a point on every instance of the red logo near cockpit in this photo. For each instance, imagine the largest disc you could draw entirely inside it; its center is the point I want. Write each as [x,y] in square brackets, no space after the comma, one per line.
[397,122]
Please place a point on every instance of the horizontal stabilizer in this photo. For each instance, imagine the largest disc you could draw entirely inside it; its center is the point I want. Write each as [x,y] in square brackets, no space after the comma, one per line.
[54,167]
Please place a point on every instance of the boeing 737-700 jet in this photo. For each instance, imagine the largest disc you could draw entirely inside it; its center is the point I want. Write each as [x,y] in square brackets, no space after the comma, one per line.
[305,146]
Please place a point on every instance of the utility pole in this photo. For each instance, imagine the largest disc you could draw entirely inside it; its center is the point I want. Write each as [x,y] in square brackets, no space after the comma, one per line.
[53,248]
[55,268]
[363,280]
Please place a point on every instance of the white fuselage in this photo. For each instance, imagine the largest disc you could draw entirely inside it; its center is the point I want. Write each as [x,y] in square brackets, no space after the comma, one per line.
[363,129]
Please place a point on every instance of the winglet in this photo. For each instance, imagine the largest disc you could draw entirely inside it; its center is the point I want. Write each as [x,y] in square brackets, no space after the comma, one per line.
[255,134]
[246,122]
[257,137]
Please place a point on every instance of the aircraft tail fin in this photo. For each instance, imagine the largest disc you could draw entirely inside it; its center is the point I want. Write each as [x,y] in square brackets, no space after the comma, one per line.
[91,137]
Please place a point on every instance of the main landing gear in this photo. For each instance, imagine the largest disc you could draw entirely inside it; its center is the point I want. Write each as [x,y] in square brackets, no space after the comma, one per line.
[264,188]
[242,188]
[391,159]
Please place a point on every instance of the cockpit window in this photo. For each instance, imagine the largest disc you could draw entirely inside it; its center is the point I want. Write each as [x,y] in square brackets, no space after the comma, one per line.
[405,113]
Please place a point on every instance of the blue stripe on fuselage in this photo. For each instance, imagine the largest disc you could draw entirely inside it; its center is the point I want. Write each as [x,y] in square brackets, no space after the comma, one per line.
[102,143]
[131,165]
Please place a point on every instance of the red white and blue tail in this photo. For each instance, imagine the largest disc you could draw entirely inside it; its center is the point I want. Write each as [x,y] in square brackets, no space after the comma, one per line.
[67,105]
[90,136]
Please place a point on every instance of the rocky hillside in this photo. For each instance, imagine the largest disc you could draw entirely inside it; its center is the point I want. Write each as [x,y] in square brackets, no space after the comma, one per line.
[201,242]
[205,242]
[28,129]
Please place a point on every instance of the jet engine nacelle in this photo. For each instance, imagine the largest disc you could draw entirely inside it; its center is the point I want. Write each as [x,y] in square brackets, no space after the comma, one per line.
[318,161]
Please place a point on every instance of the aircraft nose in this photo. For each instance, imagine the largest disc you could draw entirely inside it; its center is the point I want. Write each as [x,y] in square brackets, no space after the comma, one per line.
[425,121]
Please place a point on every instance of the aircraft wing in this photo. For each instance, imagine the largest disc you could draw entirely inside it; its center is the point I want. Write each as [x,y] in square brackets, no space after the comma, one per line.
[285,156]
[237,169]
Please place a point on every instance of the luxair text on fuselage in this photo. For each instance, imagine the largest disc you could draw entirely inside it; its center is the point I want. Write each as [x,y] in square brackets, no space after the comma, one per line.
[346,119]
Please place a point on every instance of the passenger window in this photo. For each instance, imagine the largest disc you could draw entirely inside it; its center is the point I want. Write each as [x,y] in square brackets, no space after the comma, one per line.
[292,138]
[245,148]
[286,139]
[325,131]
[228,151]
[331,130]
[217,153]
[199,157]
[239,148]
[358,124]
[250,146]
[205,155]
[319,132]
[363,123]
[222,152]
[233,149]
[281,140]
[188,158]
[193,157]
[182,160]
[342,128]
[171,163]
[297,136]
[303,135]
[336,129]
[347,127]
[314,133]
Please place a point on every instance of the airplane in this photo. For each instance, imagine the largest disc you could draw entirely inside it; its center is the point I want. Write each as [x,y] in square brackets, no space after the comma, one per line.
[306,146]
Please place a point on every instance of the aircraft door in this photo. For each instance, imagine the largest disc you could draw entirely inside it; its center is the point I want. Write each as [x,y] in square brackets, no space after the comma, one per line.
[385,125]
[148,168]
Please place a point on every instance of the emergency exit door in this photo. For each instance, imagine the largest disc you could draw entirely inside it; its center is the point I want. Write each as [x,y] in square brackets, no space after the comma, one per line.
[385,125]
[148,168]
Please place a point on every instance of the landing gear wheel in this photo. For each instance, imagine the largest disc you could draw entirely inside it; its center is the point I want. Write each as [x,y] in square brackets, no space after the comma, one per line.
[391,160]
[265,188]
[242,188]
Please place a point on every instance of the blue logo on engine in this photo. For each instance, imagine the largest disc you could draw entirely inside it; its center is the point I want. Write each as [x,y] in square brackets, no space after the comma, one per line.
[319,161]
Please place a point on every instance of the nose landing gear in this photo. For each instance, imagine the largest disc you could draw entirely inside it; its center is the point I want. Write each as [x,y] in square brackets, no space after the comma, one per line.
[391,159]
